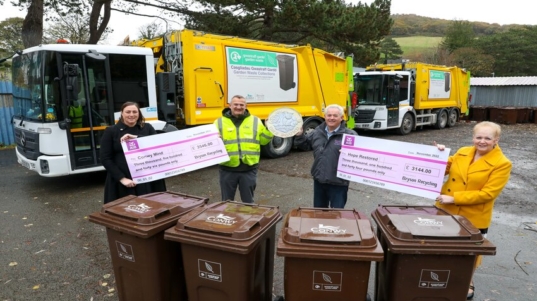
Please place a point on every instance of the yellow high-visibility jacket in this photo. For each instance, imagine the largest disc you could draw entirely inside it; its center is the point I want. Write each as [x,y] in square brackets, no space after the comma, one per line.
[76,114]
[243,143]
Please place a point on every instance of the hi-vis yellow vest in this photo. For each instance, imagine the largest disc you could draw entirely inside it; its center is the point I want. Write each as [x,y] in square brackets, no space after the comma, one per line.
[76,114]
[245,144]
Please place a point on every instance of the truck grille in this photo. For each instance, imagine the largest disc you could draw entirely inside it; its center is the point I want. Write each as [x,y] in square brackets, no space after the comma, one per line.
[364,116]
[27,143]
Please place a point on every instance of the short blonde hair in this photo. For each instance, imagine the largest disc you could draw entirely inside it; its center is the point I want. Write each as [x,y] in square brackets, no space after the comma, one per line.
[494,126]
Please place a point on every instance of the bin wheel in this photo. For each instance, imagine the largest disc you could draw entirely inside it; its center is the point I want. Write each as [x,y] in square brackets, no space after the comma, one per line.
[279,298]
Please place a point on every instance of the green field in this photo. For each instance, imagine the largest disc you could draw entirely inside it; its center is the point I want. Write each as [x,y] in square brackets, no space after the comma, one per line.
[417,44]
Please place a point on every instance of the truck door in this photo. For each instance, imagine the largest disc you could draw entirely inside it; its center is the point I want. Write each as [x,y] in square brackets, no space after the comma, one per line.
[209,91]
[392,100]
[85,90]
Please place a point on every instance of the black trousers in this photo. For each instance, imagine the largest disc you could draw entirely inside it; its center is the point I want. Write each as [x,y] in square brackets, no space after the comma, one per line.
[245,180]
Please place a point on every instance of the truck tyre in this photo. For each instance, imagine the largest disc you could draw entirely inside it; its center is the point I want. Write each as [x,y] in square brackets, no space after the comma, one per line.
[407,125]
[278,147]
[310,125]
[441,119]
[452,118]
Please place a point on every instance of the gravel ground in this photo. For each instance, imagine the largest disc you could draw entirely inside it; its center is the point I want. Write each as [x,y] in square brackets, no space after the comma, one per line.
[49,250]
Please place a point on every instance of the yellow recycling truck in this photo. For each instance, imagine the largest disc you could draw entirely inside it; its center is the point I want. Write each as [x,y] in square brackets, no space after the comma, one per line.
[407,95]
[198,73]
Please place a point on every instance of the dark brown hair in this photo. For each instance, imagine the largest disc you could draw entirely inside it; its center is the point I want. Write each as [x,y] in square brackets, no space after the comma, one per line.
[141,119]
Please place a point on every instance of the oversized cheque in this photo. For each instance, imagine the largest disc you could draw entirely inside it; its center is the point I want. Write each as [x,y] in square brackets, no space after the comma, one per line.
[164,155]
[401,166]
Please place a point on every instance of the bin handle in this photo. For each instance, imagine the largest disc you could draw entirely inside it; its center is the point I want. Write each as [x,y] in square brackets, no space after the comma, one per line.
[140,219]
[161,214]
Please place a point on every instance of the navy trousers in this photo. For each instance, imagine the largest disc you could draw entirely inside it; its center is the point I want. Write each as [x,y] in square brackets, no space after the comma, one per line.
[329,196]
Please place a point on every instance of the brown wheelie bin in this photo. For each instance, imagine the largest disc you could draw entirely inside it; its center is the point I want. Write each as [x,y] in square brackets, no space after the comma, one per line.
[228,251]
[144,263]
[327,254]
[429,254]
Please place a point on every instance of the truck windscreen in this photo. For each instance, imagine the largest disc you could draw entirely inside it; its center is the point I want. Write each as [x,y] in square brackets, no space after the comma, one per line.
[369,89]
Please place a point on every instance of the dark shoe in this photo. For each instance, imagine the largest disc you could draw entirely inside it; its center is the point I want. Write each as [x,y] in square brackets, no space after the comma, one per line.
[470,295]
[368,298]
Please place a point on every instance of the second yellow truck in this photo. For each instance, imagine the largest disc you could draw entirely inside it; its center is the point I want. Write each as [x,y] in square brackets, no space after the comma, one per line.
[406,96]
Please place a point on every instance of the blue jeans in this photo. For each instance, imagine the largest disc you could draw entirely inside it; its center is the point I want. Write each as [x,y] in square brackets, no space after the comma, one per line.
[329,196]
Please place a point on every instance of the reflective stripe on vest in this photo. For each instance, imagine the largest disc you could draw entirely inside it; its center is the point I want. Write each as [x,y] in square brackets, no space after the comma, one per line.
[240,148]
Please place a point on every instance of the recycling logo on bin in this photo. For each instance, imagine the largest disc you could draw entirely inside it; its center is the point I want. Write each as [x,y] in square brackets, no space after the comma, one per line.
[434,279]
[327,281]
[210,270]
[125,251]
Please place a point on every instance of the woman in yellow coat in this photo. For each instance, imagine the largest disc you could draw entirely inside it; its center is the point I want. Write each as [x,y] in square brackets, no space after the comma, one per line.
[477,175]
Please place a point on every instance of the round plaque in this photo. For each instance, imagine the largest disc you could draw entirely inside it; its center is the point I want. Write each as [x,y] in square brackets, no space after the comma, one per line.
[284,122]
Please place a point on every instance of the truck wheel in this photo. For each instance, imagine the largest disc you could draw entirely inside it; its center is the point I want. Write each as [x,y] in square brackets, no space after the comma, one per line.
[441,119]
[407,125]
[310,125]
[452,118]
[278,147]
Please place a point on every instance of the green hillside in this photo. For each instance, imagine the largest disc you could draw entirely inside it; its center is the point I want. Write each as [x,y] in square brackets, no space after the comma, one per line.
[417,44]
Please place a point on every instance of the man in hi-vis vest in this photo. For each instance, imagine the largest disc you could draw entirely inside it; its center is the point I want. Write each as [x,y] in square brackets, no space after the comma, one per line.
[243,134]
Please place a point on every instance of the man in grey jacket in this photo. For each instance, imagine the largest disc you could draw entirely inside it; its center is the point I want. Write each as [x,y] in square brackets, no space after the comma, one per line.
[329,191]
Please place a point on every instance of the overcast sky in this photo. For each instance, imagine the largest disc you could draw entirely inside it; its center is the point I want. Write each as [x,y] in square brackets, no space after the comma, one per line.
[489,11]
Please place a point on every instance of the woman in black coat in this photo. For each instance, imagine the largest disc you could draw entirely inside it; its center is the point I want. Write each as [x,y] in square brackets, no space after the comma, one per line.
[119,181]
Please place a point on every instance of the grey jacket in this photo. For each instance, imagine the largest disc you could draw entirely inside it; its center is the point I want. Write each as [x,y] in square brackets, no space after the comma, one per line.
[325,152]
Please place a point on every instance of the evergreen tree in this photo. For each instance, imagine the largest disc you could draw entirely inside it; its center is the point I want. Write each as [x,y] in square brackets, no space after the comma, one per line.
[332,25]
[514,51]
[390,49]
[10,35]
[459,34]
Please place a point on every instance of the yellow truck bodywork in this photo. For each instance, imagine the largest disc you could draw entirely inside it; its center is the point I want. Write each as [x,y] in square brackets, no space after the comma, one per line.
[436,86]
[213,68]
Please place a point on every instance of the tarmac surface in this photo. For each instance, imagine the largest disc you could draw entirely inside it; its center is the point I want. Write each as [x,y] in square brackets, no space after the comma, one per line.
[50,251]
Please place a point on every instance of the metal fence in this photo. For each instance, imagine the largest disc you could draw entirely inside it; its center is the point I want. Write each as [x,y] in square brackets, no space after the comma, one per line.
[6,112]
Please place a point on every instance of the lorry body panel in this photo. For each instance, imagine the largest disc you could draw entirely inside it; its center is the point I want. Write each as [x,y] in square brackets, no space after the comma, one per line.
[213,68]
